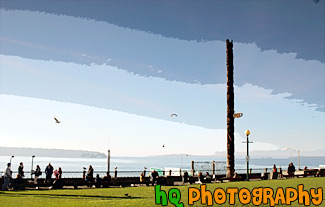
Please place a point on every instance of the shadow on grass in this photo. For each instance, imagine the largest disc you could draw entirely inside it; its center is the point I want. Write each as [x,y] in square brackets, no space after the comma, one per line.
[43,195]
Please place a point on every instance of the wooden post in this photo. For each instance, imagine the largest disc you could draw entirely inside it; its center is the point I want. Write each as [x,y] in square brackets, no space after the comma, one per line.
[213,167]
[108,161]
[230,111]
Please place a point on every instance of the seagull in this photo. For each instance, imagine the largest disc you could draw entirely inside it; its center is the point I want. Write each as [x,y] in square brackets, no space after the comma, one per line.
[173,115]
[57,121]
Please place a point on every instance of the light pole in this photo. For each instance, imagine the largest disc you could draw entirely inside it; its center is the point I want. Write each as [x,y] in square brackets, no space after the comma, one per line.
[247,133]
[11,158]
[291,155]
[31,170]
[182,160]
[298,159]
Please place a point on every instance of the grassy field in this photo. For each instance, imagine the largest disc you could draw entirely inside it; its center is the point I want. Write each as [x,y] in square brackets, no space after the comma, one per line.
[139,196]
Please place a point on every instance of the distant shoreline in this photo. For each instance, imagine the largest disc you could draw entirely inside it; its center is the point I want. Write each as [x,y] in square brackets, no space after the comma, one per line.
[41,152]
[65,153]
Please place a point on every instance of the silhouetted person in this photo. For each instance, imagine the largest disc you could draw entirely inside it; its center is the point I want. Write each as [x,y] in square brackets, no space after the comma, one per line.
[207,176]
[48,172]
[38,173]
[90,175]
[275,172]
[60,173]
[291,169]
[21,171]
[185,177]
[98,181]
[235,175]
[7,176]
[155,177]
[84,173]
[106,180]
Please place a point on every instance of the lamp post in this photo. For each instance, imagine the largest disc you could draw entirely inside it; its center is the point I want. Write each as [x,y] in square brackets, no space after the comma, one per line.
[298,159]
[31,170]
[11,158]
[298,151]
[247,133]
[182,160]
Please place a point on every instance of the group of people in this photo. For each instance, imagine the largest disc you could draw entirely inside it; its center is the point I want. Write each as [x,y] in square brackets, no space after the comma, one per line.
[49,171]
[276,173]
[89,176]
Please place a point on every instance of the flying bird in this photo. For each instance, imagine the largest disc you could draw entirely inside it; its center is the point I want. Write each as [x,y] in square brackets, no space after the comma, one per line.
[173,115]
[57,121]
[163,145]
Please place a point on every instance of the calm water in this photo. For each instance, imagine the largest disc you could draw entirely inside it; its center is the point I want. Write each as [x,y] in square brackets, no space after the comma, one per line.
[138,163]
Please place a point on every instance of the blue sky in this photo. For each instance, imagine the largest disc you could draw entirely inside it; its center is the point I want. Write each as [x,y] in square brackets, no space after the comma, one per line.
[114,78]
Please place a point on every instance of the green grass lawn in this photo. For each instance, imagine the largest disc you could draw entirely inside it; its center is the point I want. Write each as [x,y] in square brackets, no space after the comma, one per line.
[139,196]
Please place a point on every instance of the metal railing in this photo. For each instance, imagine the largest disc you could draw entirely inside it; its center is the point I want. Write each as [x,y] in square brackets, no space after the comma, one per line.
[116,173]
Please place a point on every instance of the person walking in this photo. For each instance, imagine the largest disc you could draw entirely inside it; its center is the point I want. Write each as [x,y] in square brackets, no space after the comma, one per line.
[7,175]
[90,175]
[60,173]
[21,171]
[38,173]
[274,172]
[48,172]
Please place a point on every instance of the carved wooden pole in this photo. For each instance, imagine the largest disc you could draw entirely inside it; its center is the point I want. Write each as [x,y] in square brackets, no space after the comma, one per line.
[230,111]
